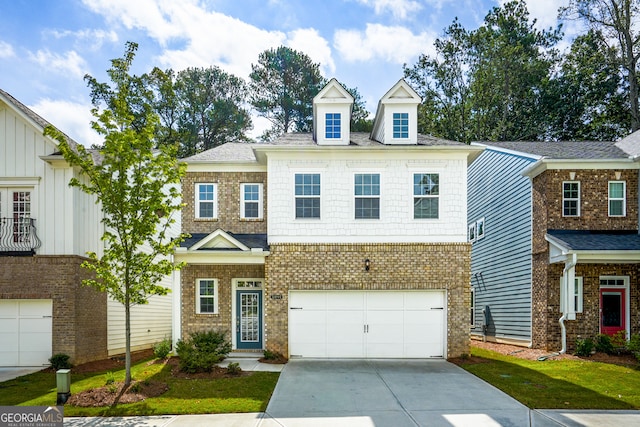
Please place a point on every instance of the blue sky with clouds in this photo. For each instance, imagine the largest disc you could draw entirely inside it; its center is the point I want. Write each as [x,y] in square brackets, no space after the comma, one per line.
[46,47]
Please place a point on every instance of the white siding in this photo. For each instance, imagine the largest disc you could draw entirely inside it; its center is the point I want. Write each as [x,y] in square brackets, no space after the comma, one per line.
[396,224]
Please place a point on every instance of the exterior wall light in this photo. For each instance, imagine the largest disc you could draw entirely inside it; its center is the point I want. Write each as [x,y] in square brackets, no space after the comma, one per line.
[367,264]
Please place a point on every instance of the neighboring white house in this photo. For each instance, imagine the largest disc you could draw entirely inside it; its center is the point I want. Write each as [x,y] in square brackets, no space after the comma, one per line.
[46,228]
[331,243]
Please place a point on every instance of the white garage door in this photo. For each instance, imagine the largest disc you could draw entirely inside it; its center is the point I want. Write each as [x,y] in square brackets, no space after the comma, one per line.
[25,332]
[373,324]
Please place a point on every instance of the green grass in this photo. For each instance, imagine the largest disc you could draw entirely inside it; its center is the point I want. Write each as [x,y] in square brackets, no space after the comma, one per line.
[185,396]
[560,384]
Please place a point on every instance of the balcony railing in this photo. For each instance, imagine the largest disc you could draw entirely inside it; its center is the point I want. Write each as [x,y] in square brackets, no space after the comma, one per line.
[18,236]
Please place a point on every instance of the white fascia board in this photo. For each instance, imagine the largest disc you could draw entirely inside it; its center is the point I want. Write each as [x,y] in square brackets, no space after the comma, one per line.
[219,257]
[488,146]
[208,166]
[219,233]
[366,239]
[561,253]
[577,164]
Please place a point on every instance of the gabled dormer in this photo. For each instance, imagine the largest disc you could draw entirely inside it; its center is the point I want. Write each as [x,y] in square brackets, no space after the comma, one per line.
[396,119]
[332,108]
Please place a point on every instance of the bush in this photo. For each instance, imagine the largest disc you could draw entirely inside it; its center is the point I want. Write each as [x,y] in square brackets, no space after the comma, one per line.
[619,339]
[162,349]
[110,378]
[234,368]
[202,351]
[60,361]
[634,345]
[584,347]
[272,355]
[604,344]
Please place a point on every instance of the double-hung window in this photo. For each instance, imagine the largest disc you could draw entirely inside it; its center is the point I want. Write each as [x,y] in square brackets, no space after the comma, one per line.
[401,125]
[207,296]
[332,125]
[251,201]
[617,198]
[571,198]
[572,303]
[307,195]
[426,195]
[206,200]
[367,195]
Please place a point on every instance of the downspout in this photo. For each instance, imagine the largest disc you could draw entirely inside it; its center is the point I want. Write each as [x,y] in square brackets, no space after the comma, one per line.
[563,328]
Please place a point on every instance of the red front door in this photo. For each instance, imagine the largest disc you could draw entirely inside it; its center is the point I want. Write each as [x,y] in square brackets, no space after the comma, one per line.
[612,310]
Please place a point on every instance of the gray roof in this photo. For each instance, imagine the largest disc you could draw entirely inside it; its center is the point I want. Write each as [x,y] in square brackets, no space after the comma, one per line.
[358,139]
[564,149]
[630,144]
[229,152]
[249,240]
[582,240]
[32,115]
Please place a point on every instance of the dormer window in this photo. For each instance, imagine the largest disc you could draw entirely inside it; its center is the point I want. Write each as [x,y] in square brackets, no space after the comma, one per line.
[400,125]
[332,125]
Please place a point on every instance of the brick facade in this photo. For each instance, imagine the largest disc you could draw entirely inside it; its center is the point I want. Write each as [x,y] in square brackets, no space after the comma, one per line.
[79,312]
[547,214]
[228,202]
[393,267]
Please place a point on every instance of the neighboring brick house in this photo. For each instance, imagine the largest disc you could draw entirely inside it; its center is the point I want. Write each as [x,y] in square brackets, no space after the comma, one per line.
[331,244]
[46,228]
[554,232]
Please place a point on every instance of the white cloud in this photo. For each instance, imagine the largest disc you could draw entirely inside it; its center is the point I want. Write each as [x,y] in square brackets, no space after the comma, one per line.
[70,64]
[399,8]
[544,11]
[6,50]
[394,44]
[95,38]
[72,118]
[310,42]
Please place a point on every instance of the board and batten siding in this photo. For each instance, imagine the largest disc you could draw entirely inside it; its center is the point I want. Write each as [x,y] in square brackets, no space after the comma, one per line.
[501,260]
[66,220]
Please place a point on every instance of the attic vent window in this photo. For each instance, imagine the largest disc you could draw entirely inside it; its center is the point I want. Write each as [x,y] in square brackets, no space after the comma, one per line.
[332,125]
[401,125]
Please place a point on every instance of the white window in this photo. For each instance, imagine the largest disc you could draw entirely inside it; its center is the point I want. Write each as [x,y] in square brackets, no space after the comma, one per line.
[251,203]
[426,194]
[367,195]
[206,200]
[617,198]
[307,191]
[480,229]
[571,198]
[401,125]
[207,296]
[473,307]
[332,125]
[472,232]
[574,300]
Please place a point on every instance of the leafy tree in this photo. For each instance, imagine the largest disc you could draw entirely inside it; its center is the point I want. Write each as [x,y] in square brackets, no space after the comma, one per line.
[443,82]
[137,188]
[586,97]
[200,108]
[360,121]
[283,84]
[616,21]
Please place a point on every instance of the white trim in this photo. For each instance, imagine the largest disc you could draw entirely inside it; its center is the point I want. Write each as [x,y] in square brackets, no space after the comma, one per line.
[570,199]
[414,196]
[197,200]
[471,232]
[544,164]
[373,196]
[472,307]
[626,286]
[295,196]
[623,198]
[219,233]
[243,202]
[479,227]
[234,288]
[216,302]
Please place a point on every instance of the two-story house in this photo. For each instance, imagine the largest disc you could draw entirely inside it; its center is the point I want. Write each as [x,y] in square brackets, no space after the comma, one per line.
[46,229]
[555,245]
[331,243]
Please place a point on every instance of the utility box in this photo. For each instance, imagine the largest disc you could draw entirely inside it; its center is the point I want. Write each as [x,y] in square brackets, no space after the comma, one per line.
[63,382]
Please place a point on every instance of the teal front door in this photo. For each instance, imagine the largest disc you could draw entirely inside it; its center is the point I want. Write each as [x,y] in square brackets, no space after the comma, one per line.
[249,320]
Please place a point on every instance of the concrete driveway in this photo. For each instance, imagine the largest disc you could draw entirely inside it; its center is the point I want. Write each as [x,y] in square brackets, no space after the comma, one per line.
[368,393]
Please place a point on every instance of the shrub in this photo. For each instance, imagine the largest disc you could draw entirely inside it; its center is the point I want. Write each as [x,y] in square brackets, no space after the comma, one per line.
[619,339]
[584,347]
[604,344]
[202,351]
[110,378]
[234,368]
[60,361]
[272,355]
[634,345]
[162,349]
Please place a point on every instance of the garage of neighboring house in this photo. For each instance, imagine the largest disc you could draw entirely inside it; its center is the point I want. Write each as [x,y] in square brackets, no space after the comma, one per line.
[371,324]
[25,332]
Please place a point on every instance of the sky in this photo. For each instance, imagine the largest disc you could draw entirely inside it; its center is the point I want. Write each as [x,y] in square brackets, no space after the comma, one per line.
[48,46]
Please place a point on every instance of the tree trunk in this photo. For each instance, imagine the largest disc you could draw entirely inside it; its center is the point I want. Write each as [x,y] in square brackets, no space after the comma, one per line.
[127,347]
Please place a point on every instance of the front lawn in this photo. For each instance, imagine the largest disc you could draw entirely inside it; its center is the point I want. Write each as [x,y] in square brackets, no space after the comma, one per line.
[558,384]
[247,393]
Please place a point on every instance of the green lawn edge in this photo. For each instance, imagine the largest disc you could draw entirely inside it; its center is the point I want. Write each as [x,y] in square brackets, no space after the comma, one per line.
[240,394]
[559,384]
